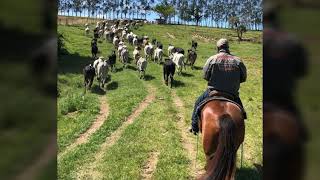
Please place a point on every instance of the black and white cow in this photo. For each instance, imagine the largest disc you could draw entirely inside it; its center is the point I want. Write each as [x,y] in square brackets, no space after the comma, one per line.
[192,57]
[112,61]
[194,44]
[169,69]
[88,73]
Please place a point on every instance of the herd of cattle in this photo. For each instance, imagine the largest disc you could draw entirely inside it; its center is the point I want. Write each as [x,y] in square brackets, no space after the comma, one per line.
[118,33]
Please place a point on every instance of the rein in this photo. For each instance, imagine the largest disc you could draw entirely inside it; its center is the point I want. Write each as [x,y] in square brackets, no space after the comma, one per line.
[195,165]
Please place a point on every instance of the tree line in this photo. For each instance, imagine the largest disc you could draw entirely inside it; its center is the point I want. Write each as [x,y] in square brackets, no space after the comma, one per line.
[216,13]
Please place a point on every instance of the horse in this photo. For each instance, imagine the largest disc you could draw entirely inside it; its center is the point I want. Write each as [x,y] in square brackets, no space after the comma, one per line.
[283,144]
[222,127]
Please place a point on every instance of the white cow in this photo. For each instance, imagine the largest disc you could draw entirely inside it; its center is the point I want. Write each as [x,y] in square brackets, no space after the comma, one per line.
[158,54]
[124,56]
[124,34]
[178,60]
[148,51]
[142,66]
[170,48]
[102,73]
[96,62]
[120,48]
[87,30]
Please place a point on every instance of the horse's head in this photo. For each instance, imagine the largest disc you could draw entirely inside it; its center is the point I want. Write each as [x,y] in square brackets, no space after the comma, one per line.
[283,144]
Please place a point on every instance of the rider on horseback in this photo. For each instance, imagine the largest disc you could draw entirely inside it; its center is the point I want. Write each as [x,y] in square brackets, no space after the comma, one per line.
[224,73]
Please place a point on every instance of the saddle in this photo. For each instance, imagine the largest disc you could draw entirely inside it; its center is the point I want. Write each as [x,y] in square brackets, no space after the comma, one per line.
[220,96]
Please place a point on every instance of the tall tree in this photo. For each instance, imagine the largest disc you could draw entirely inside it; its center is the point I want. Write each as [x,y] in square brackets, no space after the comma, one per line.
[164,10]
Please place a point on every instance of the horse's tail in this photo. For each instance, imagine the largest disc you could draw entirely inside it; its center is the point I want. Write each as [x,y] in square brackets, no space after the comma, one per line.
[225,156]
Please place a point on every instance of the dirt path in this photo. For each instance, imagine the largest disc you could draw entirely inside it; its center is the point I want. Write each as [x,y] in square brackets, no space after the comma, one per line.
[171,36]
[83,138]
[91,171]
[187,138]
[197,36]
[150,166]
[48,154]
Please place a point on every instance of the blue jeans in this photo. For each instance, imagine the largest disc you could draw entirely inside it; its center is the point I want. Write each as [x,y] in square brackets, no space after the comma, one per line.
[195,118]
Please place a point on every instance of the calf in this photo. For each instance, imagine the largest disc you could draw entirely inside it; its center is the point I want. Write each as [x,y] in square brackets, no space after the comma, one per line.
[120,48]
[94,50]
[112,61]
[148,51]
[124,56]
[136,54]
[159,45]
[116,41]
[110,36]
[142,66]
[102,73]
[140,41]
[96,62]
[158,54]
[194,44]
[169,69]
[170,49]
[87,30]
[178,50]
[154,42]
[96,33]
[135,41]
[192,57]
[88,73]
[178,60]
[130,38]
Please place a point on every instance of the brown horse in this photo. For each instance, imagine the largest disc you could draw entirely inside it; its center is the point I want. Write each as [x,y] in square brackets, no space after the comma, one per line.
[283,145]
[222,127]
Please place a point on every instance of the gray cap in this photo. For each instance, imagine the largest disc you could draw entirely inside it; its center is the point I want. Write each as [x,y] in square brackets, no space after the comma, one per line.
[222,42]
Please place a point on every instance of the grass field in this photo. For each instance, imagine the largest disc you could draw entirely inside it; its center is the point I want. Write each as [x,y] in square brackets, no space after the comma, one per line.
[154,133]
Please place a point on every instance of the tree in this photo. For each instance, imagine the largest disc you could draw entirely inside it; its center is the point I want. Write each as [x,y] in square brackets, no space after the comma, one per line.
[238,27]
[76,5]
[164,10]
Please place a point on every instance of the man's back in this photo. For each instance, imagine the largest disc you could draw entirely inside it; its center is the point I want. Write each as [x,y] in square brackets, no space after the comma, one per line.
[224,72]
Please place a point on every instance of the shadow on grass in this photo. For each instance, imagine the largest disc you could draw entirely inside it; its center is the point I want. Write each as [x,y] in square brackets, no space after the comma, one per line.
[118,69]
[131,67]
[97,90]
[148,77]
[197,68]
[184,74]
[177,83]
[72,63]
[248,174]
[113,85]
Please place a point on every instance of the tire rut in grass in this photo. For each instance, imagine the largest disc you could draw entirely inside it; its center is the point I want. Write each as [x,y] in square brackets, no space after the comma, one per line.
[83,138]
[195,169]
[48,154]
[150,166]
[91,171]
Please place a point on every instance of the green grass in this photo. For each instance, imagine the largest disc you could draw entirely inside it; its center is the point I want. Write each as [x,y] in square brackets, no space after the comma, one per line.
[156,128]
